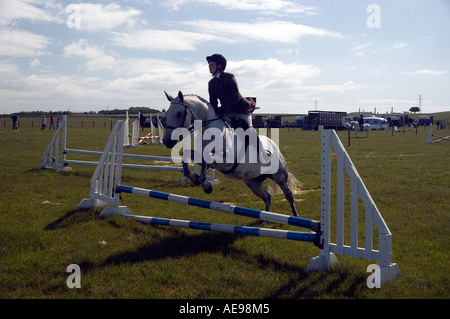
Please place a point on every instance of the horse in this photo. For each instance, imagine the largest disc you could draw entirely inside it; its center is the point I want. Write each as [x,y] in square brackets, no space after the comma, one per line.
[184,110]
[355,125]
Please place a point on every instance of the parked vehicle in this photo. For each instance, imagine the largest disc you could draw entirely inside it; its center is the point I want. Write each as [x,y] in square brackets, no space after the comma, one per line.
[376,123]
[327,119]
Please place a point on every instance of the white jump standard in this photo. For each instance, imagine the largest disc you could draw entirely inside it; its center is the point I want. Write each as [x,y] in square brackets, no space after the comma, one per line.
[106,190]
[55,155]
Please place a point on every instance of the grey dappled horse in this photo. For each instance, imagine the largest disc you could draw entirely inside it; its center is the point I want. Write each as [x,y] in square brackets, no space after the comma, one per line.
[186,110]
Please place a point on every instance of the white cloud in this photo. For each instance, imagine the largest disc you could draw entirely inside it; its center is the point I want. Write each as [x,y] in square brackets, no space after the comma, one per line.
[11,82]
[24,9]
[398,45]
[426,72]
[272,7]
[97,59]
[209,30]
[99,17]
[270,31]
[8,69]
[35,63]
[386,102]
[134,66]
[261,75]
[150,39]
[333,88]
[22,43]
[360,49]
[288,51]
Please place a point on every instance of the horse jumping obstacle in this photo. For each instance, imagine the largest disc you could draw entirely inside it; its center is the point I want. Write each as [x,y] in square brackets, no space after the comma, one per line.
[136,140]
[242,211]
[430,135]
[106,190]
[57,149]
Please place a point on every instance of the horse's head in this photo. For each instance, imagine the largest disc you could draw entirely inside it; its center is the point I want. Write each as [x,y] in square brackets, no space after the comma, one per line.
[178,115]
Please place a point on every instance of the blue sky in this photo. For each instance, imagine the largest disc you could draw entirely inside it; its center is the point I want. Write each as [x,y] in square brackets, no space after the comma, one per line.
[294,56]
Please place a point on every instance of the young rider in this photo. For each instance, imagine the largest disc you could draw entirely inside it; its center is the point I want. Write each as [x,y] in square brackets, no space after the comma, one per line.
[223,87]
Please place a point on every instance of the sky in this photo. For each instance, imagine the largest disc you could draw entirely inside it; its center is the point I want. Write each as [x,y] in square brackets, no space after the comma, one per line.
[293,56]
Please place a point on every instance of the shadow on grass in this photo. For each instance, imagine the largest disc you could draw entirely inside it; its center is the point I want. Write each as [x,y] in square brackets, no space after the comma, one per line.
[176,247]
[73,217]
[174,243]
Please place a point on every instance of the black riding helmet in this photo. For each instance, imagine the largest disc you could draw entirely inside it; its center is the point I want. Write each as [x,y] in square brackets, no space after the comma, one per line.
[219,59]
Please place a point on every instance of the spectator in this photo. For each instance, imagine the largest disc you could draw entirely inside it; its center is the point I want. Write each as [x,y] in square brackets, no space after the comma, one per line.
[142,120]
[43,122]
[52,123]
[14,122]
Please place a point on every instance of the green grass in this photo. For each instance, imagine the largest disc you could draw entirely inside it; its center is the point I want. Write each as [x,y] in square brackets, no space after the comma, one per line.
[41,233]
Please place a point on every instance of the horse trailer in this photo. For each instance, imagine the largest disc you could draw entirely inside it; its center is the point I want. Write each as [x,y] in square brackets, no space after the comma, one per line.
[327,119]
[376,123]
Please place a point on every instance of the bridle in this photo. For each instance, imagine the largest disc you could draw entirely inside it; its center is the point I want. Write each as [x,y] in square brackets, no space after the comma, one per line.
[191,128]
[204,123]
[186,108]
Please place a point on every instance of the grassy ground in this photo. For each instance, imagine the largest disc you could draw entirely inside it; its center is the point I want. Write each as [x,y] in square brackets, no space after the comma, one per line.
[41,233]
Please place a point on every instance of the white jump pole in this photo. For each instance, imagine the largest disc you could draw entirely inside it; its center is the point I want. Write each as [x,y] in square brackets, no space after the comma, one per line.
[50,158]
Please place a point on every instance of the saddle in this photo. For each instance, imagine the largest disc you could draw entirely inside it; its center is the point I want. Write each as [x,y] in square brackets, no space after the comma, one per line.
[236,122]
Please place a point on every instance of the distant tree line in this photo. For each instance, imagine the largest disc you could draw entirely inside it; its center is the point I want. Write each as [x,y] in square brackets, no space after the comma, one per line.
[39,113]
[131,110]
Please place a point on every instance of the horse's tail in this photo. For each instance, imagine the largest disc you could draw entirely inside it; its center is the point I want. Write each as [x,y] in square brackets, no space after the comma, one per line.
[293,183]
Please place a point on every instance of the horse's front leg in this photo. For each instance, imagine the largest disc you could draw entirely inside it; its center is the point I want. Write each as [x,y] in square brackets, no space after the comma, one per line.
[187,173]
[193,177]
[207,187]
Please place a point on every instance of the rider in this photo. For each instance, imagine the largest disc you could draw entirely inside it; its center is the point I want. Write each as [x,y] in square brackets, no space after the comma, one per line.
[361,122]
[223,87]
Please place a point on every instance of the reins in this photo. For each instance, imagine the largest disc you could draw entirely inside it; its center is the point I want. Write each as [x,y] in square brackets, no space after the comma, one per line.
[204,123]
[191,128]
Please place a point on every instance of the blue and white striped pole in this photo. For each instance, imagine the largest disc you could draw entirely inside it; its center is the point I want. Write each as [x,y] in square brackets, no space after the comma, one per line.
[224,228]
[237,210]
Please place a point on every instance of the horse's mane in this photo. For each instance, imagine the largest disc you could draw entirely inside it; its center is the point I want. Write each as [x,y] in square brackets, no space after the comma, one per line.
[200,98]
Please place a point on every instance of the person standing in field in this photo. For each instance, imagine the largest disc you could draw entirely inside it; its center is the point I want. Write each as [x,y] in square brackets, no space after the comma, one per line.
[52,123]
[14,122]
[43,122]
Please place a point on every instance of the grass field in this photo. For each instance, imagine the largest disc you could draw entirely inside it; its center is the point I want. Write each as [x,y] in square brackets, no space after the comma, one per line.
[41,233]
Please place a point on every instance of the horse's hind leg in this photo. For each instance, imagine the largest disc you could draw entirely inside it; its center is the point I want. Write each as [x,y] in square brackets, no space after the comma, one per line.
[282,181]
[289,197]
[256,185]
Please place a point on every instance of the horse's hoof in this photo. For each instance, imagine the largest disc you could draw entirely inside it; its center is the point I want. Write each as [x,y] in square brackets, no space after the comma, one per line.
[207,187]
[264,223]
[195,179]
